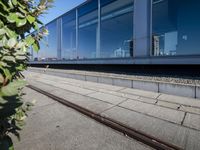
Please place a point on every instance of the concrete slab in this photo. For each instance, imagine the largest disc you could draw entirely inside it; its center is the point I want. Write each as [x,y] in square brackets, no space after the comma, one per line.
[99,86]
[69,87]
[180,100]
[143,85]
[190,109]
[169,105]
[161,129]
[30,96]
[91,78]
[192,121]
[125,95]
[105,80]
[177,89]
[70,76]
[193,140]
[147,100]
[198,92]
[140,93]
[155,111]
[84,101]
[41,85]
[107,98]
[80,77]
[122,82]
[59,127]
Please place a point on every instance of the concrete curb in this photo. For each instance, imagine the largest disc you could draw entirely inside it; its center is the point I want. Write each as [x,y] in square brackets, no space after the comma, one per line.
[185,90]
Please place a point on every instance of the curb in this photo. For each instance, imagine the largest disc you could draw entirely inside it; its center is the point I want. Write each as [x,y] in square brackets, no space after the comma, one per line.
[185,90]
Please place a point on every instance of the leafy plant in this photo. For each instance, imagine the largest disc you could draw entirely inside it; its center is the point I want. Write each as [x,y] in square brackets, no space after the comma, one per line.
[17,19]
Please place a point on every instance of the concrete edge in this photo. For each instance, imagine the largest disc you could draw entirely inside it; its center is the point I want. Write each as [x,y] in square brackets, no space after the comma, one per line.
[186,90]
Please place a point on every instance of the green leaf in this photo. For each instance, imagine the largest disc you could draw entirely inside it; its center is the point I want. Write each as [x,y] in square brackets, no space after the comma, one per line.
[12,17]
[36,27]
[9,58]
[6,73]
[30,19]
[1,78]
[4,40]
[14,2]
[21,57]
[4,6]
[12,42]
[20,67]
[12,88]
[29,40]
[21,22]
[22,10]
[3,64]
[2,31]
[20,15]
[10,33]
[36,47]
[10,4]
[20,44]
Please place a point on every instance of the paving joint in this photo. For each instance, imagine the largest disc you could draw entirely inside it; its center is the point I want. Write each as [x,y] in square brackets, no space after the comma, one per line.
[183,118]
[114,106]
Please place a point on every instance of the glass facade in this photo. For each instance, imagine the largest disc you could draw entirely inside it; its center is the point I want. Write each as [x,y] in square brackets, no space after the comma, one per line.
[117,29]
[176,27]
[87,30]
[68,33]
[105,29]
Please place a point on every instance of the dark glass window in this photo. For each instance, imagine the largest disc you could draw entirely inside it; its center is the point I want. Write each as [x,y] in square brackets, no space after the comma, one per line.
[69,36]
[87,8]
[87,30]
[105,2]
[176,27]
[117,29]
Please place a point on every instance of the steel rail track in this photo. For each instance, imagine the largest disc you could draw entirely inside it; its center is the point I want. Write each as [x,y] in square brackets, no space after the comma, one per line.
[118,126]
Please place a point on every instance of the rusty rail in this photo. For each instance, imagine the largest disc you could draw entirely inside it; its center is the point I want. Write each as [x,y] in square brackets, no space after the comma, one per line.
[120,127]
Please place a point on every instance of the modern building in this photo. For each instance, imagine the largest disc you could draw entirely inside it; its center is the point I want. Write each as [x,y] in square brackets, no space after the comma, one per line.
[124,32]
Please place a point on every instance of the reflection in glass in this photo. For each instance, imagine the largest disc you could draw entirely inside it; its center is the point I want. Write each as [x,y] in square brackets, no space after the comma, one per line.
[48,45]
[176,27]
[52,41]
[69,36]
[117,29]
[87,30]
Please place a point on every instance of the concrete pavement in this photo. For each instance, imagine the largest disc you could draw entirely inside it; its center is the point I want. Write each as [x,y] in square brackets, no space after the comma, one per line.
[170,118]
[52,126]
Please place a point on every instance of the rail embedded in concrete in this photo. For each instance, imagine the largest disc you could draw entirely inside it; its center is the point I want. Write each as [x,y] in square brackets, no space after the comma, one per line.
[179,89]
[131,132]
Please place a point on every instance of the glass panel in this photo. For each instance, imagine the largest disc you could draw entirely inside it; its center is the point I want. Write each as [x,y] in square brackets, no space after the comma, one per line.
[87,34]
[87,8]
[104,2]
[176,27]
[48,46]
[69,36]
[117,29]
